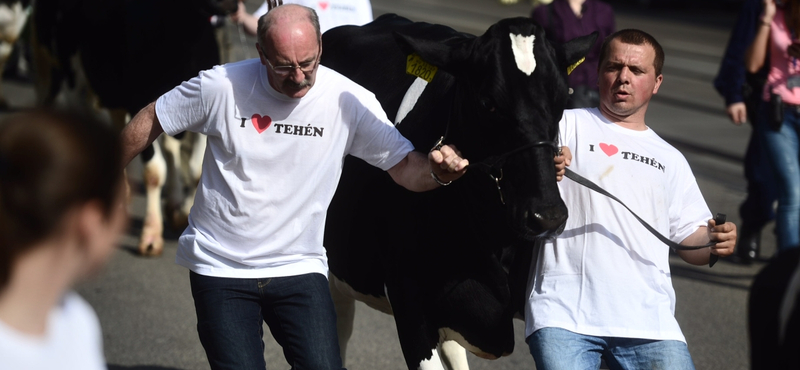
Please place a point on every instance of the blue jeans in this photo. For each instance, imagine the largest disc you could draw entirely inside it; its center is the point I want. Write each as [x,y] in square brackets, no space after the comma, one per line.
[298,310]
[784,154]
[559,349]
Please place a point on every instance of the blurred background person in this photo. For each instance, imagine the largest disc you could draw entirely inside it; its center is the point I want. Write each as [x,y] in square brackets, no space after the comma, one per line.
[331,13]
[777,37]
[743,99]
[61,211]
[564,20]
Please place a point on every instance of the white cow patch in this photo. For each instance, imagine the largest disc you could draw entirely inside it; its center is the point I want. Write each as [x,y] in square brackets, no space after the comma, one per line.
[410,99]
[522,46]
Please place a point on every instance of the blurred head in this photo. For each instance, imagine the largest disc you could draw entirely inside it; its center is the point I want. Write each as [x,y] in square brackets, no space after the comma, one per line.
[629,73]
[60,174]
[289,45]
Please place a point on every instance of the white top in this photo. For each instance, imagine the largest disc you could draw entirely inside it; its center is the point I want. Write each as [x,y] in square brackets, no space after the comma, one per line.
[606,275]
[73,341]
[332,13]
[271,166]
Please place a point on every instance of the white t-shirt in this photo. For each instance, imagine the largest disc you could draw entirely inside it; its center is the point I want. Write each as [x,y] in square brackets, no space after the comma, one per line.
[606,275]
[332,13]
[271,166]
[73,341]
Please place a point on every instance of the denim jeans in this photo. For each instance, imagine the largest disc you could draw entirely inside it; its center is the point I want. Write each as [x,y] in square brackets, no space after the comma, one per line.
[559,349]
[298,310]
[784,154]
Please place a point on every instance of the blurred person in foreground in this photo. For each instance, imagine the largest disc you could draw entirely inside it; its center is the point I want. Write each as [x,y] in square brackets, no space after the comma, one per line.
[564,20]
[603,288]
[61,212]
[279,128]
[776,46]
[742,93]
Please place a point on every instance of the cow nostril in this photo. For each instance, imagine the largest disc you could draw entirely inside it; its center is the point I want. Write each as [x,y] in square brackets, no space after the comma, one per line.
[550,221]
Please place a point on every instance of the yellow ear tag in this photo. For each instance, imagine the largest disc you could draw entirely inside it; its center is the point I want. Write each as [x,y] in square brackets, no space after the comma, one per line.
[415,66]
[572,67]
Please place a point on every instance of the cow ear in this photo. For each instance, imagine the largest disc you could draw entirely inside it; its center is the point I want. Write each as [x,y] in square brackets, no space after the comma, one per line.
[437,53]
[575,50]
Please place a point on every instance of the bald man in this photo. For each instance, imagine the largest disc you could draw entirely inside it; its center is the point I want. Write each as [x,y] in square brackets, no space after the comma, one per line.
[279,128]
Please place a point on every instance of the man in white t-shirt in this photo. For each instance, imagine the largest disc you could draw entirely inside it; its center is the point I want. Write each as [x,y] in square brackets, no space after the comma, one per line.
[603,288]
[278,131]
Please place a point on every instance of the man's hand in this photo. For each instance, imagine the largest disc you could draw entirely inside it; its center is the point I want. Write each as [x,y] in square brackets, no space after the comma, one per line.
[737,112]
[447,164]
[562,159]
[725,237]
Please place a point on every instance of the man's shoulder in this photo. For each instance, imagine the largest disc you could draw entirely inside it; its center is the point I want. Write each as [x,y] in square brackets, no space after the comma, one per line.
[335,80]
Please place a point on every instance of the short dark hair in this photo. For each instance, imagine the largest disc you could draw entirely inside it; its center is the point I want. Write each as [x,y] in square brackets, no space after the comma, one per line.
[50,162]
[634,37]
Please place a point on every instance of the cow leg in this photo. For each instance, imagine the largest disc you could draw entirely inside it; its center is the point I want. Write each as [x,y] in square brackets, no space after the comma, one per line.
[345,306]
[174,183]
[12,19]
[155,173]
[454,356]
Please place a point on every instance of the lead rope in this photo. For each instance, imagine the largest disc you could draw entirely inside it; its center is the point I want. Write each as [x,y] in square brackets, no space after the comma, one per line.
[719,219]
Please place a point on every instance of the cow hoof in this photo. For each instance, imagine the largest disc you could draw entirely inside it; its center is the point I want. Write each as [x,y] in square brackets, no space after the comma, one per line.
[151,247]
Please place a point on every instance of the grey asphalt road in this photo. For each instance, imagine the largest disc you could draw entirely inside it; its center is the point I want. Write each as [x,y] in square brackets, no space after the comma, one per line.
[146,309]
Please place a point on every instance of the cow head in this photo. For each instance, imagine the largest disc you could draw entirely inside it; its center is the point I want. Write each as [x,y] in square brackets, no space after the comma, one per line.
[511,91]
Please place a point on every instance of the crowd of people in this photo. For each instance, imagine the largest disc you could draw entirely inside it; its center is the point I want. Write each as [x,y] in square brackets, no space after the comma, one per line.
[599,292]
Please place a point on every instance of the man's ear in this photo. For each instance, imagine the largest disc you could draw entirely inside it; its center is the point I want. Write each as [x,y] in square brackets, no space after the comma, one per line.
[261,54]
[659,79]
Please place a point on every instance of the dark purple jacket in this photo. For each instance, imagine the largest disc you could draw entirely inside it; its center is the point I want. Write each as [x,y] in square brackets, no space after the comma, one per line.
[561,25]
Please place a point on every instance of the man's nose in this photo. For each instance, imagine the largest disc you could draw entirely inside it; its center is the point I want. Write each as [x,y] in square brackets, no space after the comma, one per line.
[297,75]
[624,75]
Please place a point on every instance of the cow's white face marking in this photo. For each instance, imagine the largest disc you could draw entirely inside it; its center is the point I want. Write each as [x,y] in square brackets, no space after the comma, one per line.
[522,46]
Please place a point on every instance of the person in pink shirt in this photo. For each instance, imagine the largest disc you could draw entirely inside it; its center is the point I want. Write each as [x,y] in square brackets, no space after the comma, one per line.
[777,37]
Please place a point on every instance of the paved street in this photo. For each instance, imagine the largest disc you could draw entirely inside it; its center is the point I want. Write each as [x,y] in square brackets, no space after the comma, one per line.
[146,309]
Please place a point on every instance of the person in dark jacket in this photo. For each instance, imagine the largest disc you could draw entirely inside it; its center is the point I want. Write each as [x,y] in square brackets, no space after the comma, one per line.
[741,91]
[564,20]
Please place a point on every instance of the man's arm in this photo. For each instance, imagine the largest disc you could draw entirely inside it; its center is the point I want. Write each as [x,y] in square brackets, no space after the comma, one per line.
[414,171]
[140,132]
[724,235]
[731,75]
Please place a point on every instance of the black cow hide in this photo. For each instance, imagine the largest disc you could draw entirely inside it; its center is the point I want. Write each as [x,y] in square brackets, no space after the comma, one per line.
[443,257]
[131,51]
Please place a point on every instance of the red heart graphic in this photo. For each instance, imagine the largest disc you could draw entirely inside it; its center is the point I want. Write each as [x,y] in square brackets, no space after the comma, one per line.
[609,149]
[261,123]
[323,5]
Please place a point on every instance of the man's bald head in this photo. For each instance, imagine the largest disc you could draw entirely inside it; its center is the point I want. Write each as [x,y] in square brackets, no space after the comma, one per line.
[283,18]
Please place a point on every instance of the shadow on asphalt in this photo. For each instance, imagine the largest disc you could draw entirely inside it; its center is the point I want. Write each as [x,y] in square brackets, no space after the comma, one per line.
[734,281]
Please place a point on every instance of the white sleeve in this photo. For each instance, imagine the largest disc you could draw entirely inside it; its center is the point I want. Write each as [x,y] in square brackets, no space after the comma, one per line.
[261,10]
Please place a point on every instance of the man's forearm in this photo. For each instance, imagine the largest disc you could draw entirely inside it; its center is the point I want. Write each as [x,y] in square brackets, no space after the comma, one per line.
[140,132]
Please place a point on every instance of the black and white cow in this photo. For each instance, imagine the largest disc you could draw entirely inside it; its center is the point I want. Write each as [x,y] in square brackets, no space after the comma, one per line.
[498,98]
[122,55]
[13,17]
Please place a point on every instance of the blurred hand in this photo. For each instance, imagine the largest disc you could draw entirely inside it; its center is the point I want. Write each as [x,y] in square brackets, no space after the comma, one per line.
[769,11]
[737,112]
